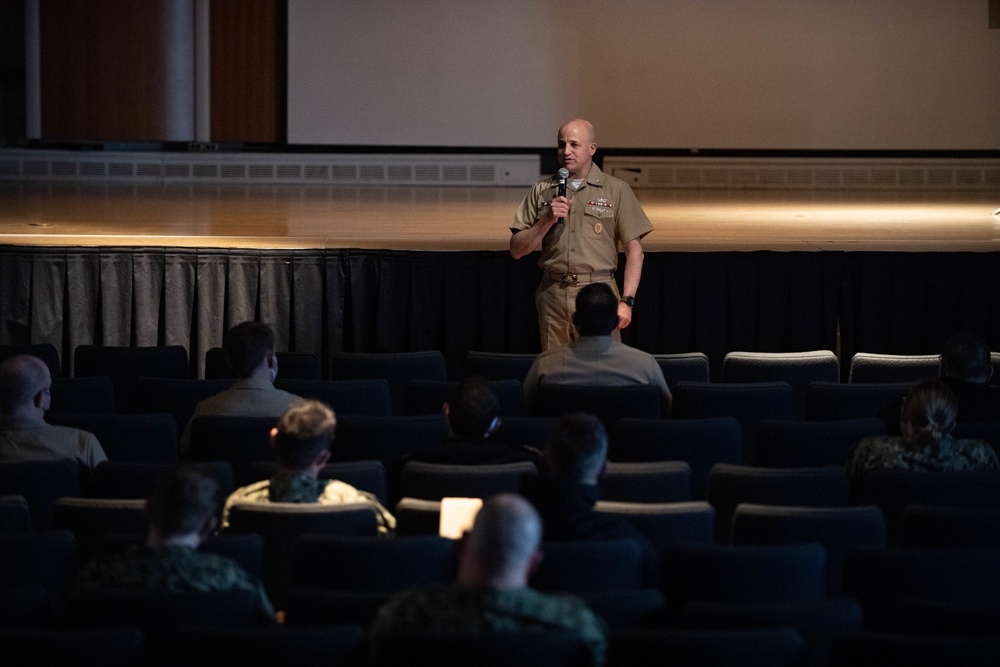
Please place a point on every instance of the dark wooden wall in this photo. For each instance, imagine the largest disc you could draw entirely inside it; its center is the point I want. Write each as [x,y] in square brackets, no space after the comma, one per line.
[249,65]
[117,70]
[122,70]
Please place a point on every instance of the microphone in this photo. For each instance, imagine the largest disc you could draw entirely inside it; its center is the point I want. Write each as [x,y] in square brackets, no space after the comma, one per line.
[563,175]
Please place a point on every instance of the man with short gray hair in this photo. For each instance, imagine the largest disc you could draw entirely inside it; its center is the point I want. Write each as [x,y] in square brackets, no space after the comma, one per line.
[25,396]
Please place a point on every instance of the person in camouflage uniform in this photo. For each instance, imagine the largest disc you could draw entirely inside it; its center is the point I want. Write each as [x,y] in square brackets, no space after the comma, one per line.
[492,593]
[301,442]
[182,510]
[926,421]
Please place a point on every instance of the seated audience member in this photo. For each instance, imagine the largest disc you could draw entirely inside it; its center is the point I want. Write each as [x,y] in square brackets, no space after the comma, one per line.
[966,368]
[492,595]
[301,442]
[573,462]
[250,353]
[25,384]
[473,414]
[595,358]
[182,511]
[926,421]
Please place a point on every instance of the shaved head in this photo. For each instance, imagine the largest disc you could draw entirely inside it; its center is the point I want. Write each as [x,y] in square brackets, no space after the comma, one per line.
[581,125]
[503,541]
[22,377]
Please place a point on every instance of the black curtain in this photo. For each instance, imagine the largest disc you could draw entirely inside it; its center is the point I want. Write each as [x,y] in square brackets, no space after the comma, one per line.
[324,301]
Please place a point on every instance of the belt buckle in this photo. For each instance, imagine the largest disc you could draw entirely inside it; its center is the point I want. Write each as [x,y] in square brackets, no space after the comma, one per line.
[569,278]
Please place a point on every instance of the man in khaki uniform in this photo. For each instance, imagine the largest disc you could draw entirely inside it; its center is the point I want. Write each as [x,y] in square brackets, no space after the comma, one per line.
[600,214]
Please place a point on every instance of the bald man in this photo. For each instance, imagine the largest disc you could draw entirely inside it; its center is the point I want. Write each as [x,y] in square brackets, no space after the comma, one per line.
[25,385]
[492,594]
[579,235]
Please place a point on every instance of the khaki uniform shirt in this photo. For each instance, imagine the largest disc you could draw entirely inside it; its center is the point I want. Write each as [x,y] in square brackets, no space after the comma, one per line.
[246,398]
[604,214]
[26,439]
[596,361]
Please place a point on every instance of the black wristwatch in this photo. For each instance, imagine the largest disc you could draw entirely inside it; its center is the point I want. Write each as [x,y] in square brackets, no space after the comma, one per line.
[628,300]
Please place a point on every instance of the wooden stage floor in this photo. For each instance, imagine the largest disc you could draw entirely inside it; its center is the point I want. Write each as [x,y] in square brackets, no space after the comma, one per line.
[477,218]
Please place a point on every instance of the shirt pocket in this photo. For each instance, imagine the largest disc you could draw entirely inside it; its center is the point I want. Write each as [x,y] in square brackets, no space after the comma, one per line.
[599,212]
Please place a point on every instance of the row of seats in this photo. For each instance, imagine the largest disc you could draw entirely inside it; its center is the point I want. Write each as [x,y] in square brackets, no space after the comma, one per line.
[797,368]
[348,646]
[338,580]
[656,497]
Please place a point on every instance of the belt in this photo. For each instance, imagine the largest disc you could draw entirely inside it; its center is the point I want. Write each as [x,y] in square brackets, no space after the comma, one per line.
[570,278]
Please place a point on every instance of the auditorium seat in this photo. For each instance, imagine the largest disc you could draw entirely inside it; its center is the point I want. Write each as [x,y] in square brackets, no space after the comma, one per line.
[369,397]
[179,397]
[124,364]
[730,485]
[395,367]
[819,623]
[117,480]
[770,647]
[607,403]
[700,442]
[434,481]
[663,524]
[92,519]
[883,649]
[41,483]
[342,645]
[128,438]
[422,397]
[15,515]
[892,490]
[291,365]
[373,564]
[241,441]
[451,648]
[44,558]
[828,401]
[89,395]
[935,526]
[530,431]
[588,565]
[782,573]
[415,516]
[836,528]
[282,525]
[647,482]
[868,367]
[683,367]
[796,368]
[748,402]
[387,439]
[797,444]
[498,365]
[107,647]
[881,579]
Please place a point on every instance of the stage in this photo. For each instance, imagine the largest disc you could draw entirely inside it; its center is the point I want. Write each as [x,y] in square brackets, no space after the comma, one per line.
[403,268]
[477,218]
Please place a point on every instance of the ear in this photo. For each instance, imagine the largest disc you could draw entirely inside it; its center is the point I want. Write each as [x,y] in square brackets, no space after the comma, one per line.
[322,459]
[274,434]
[208,527]
[536,560]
